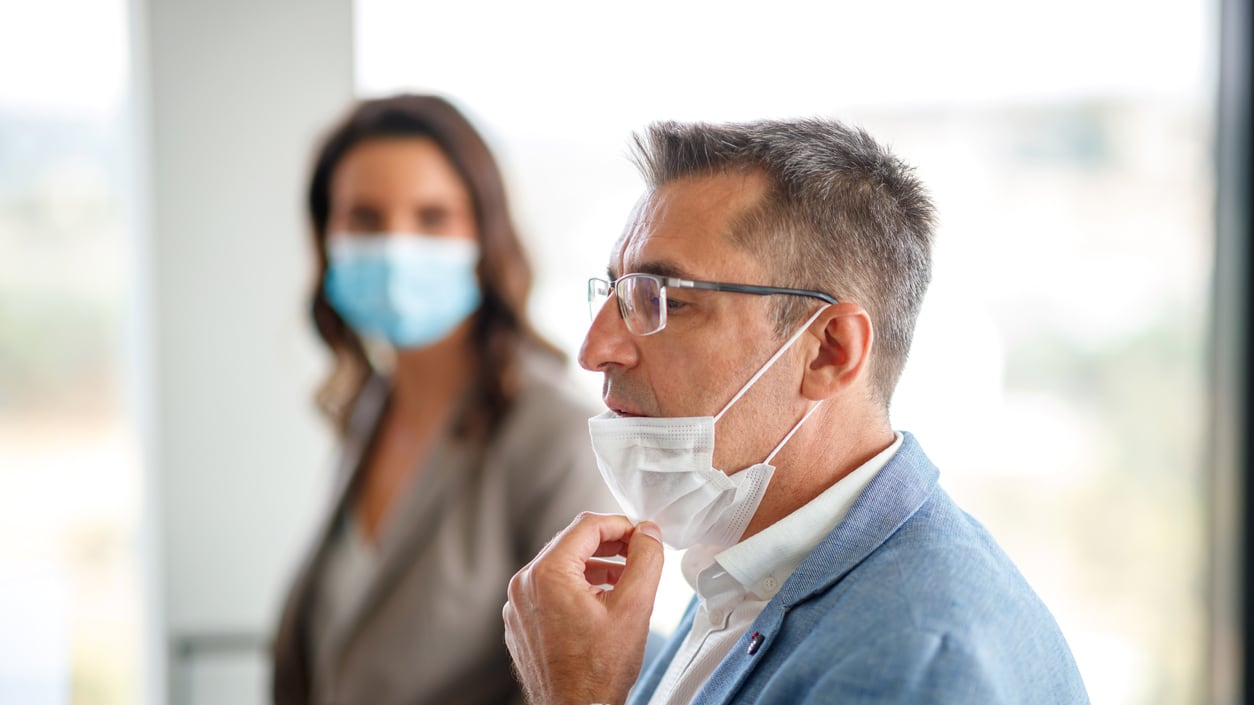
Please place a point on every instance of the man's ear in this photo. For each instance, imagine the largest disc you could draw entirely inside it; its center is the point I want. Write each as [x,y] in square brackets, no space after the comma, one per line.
[839,351]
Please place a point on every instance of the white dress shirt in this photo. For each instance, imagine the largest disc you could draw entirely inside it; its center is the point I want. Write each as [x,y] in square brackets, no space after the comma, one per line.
[734,585]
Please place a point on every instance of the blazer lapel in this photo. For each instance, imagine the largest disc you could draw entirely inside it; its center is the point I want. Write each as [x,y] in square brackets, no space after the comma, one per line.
[295,653]
[892,497]
[411,525]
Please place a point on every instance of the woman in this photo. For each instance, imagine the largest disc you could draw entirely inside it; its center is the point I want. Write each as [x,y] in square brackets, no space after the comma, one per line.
[463,449]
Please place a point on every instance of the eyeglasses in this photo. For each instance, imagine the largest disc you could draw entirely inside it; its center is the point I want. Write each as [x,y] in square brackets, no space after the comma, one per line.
[642,297]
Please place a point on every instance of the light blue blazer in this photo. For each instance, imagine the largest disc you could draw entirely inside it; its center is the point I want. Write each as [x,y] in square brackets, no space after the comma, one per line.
[908,600]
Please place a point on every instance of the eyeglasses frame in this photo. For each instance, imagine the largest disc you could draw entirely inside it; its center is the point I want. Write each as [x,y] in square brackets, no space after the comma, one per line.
[679,283]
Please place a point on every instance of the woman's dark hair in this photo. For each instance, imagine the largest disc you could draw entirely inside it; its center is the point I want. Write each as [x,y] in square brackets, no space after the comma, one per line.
[501,325]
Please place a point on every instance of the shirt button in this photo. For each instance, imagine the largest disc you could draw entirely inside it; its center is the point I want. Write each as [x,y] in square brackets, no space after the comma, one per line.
[770,583]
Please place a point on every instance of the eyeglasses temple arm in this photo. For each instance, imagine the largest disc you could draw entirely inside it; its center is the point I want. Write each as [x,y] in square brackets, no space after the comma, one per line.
[746,289]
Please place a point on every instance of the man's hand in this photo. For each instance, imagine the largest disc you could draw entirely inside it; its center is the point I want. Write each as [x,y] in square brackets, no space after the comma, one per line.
[574,642]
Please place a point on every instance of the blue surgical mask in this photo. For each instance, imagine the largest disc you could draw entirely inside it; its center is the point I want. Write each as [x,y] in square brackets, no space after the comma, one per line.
[410,290]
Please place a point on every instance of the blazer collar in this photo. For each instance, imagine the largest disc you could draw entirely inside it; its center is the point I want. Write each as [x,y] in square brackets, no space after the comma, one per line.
[892,497]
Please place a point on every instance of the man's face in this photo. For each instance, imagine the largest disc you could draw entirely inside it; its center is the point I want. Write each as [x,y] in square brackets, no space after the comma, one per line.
[713,341]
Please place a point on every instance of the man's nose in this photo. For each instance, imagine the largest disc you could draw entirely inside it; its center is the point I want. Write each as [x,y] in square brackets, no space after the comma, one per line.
[608,342]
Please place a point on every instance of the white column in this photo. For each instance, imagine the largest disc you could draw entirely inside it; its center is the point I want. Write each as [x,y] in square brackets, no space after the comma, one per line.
[234,94]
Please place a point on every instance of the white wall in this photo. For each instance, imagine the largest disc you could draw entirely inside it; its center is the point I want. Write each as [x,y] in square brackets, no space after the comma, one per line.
[237,93]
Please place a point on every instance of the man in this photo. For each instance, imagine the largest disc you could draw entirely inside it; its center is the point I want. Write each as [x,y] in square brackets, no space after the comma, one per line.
[767,285]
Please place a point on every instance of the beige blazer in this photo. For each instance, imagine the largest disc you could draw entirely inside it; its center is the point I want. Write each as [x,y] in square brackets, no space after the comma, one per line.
[428,628]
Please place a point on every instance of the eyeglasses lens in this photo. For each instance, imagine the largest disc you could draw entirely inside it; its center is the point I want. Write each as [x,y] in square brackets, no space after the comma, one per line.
[598,294]
[640,302]
[641,299]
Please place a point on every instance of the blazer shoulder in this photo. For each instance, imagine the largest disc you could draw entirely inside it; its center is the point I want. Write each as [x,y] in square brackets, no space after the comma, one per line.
[939,599]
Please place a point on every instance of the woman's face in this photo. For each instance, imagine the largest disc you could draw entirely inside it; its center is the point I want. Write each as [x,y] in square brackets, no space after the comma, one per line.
[401,185]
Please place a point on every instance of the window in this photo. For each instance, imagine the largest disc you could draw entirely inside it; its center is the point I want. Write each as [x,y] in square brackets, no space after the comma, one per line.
[71,619]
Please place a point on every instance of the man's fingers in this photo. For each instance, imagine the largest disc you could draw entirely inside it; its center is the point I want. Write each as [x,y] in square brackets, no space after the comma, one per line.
[592,535]
[603,572]
[639,578]
[611,548]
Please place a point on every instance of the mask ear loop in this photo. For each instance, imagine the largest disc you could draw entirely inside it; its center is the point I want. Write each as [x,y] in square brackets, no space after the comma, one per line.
[762,370]
[795,428]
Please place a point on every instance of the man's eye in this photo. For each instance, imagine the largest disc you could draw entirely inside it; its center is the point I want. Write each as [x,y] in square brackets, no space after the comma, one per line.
[673,305]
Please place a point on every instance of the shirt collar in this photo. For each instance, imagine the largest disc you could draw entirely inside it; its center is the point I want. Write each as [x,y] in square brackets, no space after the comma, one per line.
[761,563]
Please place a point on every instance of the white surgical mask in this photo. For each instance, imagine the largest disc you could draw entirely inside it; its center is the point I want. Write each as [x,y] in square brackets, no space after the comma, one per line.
[662,470]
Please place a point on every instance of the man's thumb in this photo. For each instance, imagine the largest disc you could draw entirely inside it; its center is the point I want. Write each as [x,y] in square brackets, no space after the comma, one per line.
[643,571]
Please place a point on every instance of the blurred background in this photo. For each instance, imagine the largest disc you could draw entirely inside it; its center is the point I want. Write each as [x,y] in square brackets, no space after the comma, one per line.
[161,461]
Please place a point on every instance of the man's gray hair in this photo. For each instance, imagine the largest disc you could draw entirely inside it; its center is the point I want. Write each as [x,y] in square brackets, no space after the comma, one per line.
[841,215]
